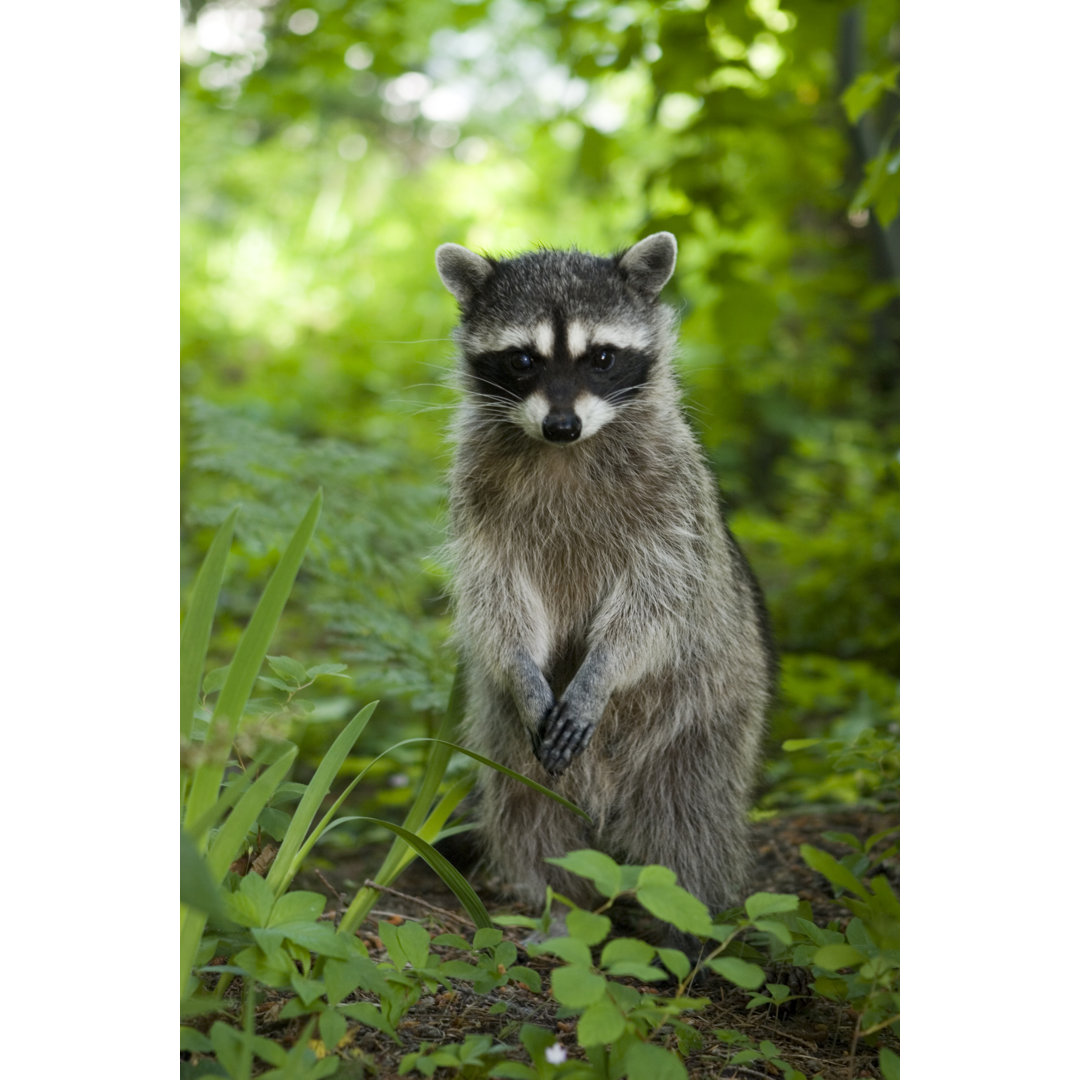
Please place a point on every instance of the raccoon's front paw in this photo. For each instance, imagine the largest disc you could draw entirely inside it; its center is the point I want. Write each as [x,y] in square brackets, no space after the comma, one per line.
[565,734]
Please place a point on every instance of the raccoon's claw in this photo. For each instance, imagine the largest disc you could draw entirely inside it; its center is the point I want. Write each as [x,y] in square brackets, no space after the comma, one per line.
[564,735]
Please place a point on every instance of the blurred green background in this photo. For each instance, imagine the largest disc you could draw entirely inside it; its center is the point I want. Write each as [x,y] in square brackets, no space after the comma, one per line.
[329,147]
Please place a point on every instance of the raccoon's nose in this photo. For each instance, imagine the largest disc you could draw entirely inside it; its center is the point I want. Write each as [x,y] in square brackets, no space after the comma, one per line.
[561,425]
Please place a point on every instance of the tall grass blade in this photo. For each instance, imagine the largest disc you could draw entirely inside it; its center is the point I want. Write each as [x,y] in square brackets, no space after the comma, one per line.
[251,651]
[440,864]
[247,661]
[365,899]
[195,633]
[281,873]
[224,849]
[227,843]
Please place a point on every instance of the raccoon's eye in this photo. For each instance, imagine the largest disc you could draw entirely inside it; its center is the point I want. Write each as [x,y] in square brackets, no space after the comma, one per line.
[520,362]
[602,358]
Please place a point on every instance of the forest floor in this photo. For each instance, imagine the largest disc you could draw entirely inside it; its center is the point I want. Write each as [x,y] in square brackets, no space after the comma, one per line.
[812,1035]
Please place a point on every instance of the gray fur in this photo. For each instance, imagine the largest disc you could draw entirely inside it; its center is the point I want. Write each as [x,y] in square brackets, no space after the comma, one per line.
[614,641]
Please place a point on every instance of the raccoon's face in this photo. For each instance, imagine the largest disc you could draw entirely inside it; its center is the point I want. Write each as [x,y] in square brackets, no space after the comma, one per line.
[557,341]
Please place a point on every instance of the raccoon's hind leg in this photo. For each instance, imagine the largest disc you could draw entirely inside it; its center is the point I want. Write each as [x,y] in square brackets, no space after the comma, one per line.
[685,808]
[521,828]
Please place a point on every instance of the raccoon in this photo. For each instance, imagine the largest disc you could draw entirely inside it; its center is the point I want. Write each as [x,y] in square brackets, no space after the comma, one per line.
[614,639]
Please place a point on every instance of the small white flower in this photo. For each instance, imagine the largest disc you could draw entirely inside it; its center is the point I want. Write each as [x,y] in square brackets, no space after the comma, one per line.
[555,1054]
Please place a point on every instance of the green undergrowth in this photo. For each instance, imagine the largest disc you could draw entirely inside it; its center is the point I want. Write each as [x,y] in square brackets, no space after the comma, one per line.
[246,933]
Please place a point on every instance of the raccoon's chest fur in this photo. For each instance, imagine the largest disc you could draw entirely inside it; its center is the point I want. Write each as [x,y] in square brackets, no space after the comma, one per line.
[575,521]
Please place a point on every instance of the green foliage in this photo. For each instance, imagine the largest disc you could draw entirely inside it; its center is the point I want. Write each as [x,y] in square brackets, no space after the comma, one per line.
[322,163]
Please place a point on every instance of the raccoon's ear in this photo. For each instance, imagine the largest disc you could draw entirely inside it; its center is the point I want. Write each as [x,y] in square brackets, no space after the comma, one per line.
[462,271]
[650,262]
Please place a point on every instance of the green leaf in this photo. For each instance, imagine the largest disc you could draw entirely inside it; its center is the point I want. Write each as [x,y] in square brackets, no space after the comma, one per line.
[195,632]
[741,972]
[487,937]
[252,902]
[602,870]
[643,1061]
[228,842]
[760,904]
[198,889]
[889,1063]
[587,926]
[369,1014]
[247,661]
[834,957]
[527,976]
[675,905]
[320,937]
[601,1023]
[308,990]
[256,637]
[777,929]
[409,944]
[676,961]
[536,1040]
[342,977]
[863,94]
[232,1049]
[440,864]
[576,986]
[292,671]
[194,1040]
[626,950]
[835,872]
[572,950]
[295,906]
[332,1028]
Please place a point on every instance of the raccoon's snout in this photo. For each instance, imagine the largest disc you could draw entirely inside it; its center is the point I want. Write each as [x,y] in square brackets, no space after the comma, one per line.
[561,425]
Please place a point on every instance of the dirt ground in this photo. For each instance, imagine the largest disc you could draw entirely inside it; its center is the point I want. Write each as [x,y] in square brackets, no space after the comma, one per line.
[812,1035]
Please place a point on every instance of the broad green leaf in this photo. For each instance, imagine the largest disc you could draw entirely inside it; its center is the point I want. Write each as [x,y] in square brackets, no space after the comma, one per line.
[332,1028]
[198,889]
[370,1014]
[193,1040]
[319,937]
[195,633]
[527,976]
[777,929]
[308,990]
[834,957]
[644,972]
[889,1063]
[740,972]
[267,940]
[342,977]
[233,1051]
[676,906]
[252,902]
[643,1061]
[409,944]
[761,904]
[292,671]
[536,1040]
[834,871]
[602,870]
[576,986]
[601,1023]
[486,938]
[572,950]
[676,961]
[863,94]
[626,950]
[296,905]
[587,926]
